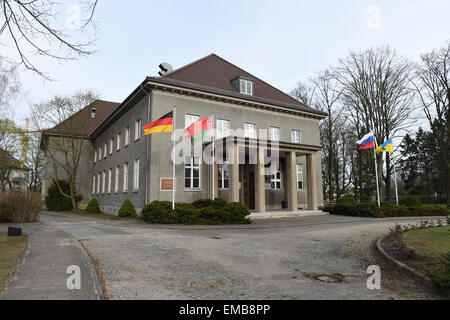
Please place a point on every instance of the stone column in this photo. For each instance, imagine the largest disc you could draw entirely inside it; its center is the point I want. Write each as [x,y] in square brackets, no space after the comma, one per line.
[260,194]
[311,172]
[233,171]
[241,191]
[291,177]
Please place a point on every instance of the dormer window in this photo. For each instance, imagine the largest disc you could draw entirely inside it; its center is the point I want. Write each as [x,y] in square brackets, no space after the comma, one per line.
[243,85]
[246,86]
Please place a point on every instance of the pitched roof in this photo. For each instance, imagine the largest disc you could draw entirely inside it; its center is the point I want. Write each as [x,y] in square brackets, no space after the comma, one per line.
[82,123]
[9,161]
[215,73]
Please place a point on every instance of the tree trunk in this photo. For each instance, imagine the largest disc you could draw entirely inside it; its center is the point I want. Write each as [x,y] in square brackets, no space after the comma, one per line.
[72,197]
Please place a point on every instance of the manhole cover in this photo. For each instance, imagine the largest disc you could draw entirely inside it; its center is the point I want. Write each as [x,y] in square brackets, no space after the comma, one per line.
[327,278]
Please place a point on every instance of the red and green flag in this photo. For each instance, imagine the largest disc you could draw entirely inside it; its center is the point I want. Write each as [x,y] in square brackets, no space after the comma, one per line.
[199,129]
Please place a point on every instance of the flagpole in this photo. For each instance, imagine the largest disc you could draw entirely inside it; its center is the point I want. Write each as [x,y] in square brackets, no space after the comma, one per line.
[395,182]
[376,170]
[213,156]
[173,156]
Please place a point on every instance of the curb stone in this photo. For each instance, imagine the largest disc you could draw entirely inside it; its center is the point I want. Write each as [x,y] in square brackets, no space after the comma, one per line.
[97,288]
[412,272]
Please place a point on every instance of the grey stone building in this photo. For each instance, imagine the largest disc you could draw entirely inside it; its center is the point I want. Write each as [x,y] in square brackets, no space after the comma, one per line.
[124,164]
[79,126]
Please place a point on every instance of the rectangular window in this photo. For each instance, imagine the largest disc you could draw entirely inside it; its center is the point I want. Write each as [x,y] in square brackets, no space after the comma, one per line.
[295,136]
[127,136]
[246,87]
[118,142]
[125,177]
[104,182]
[93,184]
[137,130]
[250,130]
[192,173]
[299,176]
[105,150]
[136,175]
[274,133]
[116,180]
[109,180]
[98,183]
[222,128]
[111,146]
[273,175]
[190,119]
[99,153]
[223,176]
[95,156]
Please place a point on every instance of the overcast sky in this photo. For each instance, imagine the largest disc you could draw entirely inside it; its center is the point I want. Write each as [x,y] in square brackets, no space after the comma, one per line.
[281,42]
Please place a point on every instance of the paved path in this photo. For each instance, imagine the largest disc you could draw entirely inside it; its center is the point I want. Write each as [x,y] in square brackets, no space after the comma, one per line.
[43,274]
[270,259]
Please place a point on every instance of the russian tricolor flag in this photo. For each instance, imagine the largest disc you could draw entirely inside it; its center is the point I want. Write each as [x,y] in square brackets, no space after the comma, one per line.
[367,142]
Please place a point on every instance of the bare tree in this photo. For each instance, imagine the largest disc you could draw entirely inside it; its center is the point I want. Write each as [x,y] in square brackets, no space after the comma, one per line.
[433,87]
[326,98]
[377,93]
[34,160]
[10,147]
[304,92]
[67,140]
[10,88]
[31,28]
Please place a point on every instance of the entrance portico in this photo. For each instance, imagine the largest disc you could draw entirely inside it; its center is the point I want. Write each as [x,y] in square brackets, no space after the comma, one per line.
[250,161]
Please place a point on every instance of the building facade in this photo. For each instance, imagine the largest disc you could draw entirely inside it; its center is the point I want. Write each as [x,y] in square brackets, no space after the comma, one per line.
[254,121]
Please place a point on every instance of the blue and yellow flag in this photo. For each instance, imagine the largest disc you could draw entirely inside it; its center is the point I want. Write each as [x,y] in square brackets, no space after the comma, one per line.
[385,147]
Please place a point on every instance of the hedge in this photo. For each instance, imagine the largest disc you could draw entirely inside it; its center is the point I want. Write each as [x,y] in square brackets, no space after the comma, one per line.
[93,207]
[18,206]
[345,200]
[370,209]
[127,209]
[411,201]
[203,211]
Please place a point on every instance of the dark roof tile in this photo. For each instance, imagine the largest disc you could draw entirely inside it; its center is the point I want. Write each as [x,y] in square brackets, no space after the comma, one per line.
[215,72]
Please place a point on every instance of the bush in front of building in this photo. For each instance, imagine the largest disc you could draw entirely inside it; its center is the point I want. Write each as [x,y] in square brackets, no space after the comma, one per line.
[127,209]
[345,200]
[55,200]
[93,207]
[371,209]
[411,201]
[201,212]
[201,203]
[17,206]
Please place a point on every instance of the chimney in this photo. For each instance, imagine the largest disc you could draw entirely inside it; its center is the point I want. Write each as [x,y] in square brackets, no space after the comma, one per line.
[93,113]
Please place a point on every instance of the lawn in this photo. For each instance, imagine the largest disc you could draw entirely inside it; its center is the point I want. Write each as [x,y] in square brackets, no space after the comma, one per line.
[11,250]
[428,241]
[429,245]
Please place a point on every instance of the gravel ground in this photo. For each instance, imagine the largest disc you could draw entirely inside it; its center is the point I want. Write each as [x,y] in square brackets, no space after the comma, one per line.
[270,259]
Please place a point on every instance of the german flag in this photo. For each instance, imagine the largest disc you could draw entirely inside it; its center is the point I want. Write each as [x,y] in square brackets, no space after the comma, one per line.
[163,124]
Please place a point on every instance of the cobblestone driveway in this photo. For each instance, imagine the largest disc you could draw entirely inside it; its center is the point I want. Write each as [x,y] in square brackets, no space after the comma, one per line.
[266,260]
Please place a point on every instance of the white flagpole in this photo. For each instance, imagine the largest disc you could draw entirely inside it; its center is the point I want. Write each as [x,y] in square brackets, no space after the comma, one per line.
[213,156]
[376,170]
[395,182]
[173,156]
